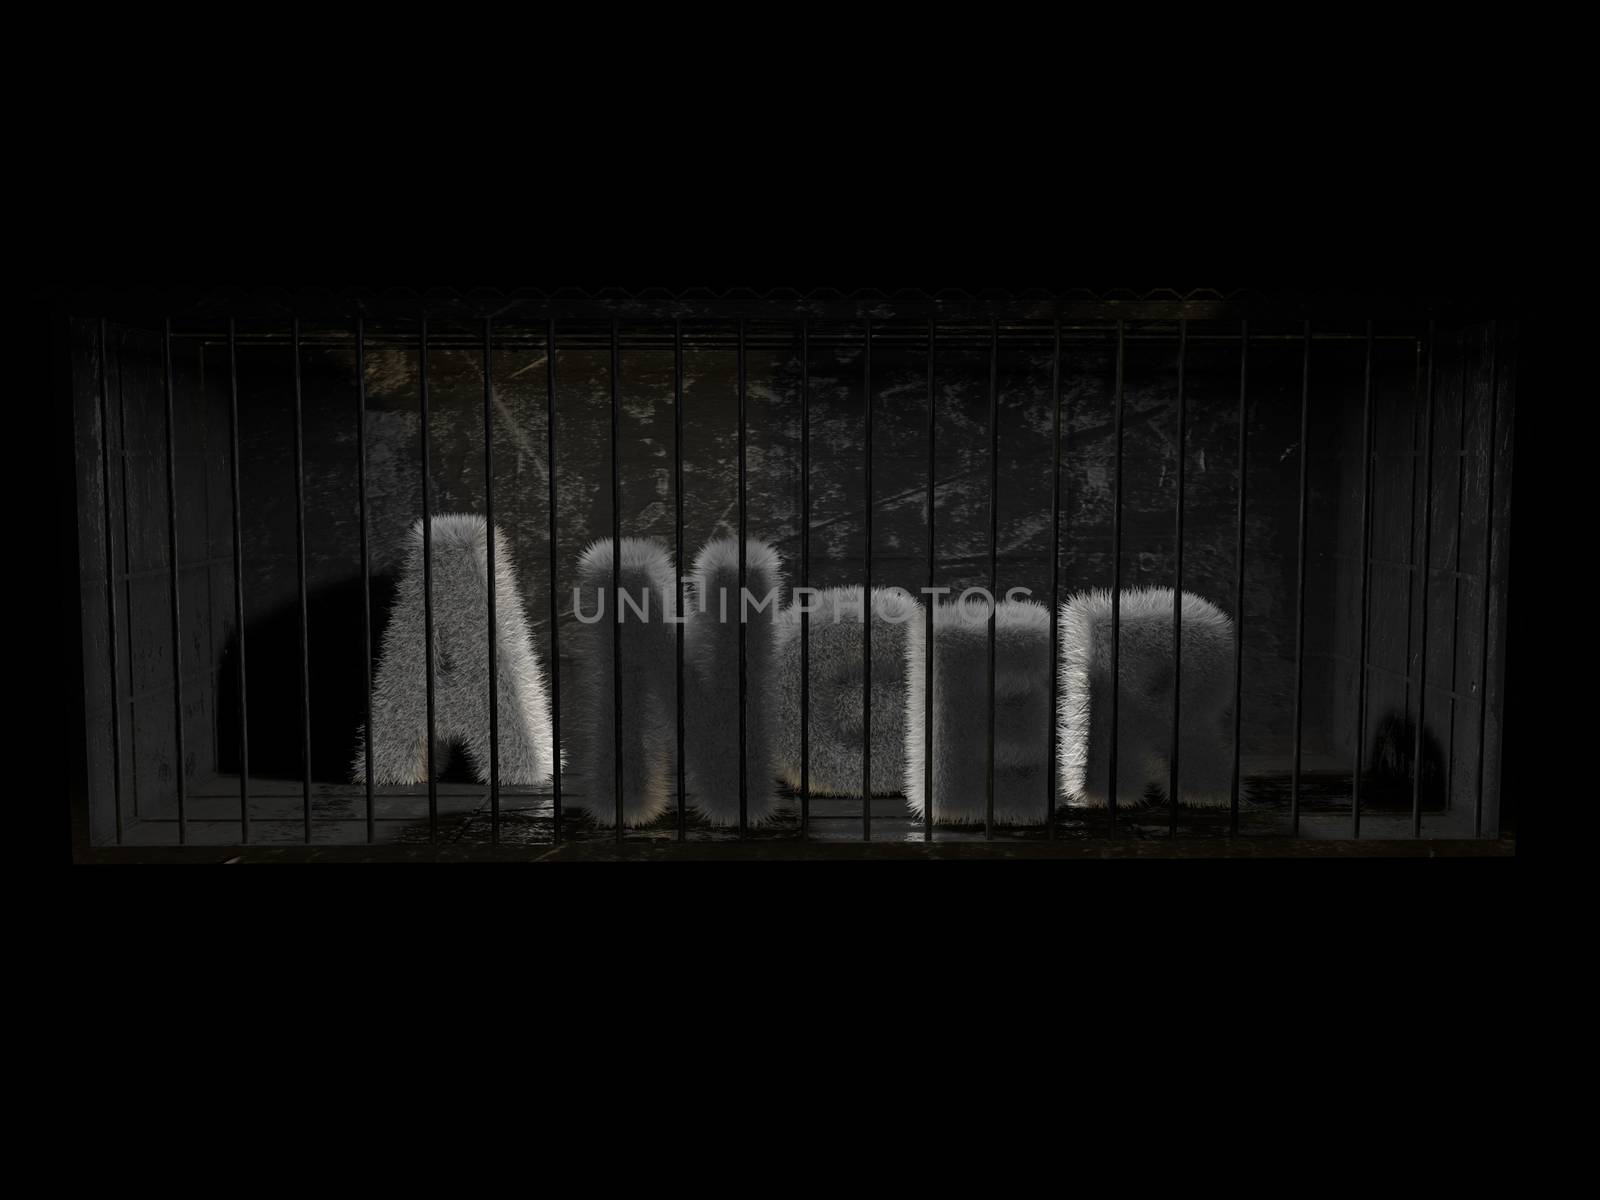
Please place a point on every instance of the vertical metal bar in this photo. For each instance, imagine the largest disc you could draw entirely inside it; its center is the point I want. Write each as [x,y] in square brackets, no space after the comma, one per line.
[1489,460]
[1055,575]
[1177,588]
[994,565]
[208,603]
[1116,588]
[866,601]
[366,562]
[677,524]
[239,584]
[744,798]
[1238,596]
[931,598]
[300,566]
[179,771]
[805,577]
[1455,584]
[493,581]
[427,578]
[616,573]
[555,590]
[1411,520]
[111,584]
[1426,572]
[1366,583]
[127,562]
[1300,587]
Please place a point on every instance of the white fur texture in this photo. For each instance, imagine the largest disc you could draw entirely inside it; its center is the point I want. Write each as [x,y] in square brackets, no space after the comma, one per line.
[711,670]
[1144,718]
[400,751]
[649,685]
[835,692]
[960,713]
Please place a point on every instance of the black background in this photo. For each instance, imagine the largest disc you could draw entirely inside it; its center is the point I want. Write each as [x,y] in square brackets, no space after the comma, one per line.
[1451,186]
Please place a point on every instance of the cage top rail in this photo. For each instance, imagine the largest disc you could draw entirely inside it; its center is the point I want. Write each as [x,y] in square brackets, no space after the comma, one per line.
[187,305]
[724,335]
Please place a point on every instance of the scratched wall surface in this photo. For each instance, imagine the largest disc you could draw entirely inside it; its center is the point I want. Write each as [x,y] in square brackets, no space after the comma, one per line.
[899,364]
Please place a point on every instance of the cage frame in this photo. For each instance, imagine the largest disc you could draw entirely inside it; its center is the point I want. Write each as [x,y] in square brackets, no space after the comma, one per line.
[211,313]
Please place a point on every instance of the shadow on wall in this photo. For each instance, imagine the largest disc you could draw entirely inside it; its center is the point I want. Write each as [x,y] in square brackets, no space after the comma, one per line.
[1389,774]
[338,686]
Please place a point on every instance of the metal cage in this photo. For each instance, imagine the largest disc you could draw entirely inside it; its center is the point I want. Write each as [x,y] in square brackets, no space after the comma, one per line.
[1335,474]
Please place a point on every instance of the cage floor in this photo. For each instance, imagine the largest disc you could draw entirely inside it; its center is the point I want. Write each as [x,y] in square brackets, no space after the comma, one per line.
[526,817]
